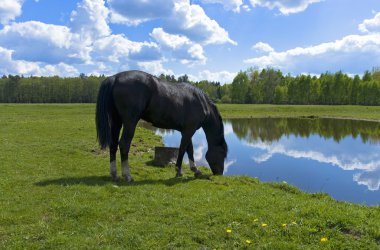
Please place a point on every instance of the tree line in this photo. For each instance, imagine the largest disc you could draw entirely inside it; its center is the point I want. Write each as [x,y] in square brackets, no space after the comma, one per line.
[268,86]
[19,89]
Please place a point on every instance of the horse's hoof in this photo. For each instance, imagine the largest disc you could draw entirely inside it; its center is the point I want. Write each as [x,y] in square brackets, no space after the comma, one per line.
[198,174]
[115,178]
[129,179]
[178,175]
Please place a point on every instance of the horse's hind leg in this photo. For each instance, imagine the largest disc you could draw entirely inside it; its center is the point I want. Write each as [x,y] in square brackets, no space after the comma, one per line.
[185,140]
[129,127]
[115,132]
[190,154]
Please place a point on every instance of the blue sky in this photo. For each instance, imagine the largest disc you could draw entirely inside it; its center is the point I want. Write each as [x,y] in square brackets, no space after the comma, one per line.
[206,39]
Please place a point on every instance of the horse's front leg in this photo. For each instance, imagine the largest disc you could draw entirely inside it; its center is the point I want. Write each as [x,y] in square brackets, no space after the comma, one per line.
[125,144]
[190,154]
[185,140]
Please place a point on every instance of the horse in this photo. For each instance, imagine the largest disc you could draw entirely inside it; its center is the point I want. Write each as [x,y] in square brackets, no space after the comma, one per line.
[125,98]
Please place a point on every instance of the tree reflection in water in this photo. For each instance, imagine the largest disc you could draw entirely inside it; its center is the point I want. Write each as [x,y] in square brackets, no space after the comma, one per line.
[272,129]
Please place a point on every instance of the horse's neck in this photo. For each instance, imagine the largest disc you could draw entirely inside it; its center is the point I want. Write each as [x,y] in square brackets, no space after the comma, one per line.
[213,130]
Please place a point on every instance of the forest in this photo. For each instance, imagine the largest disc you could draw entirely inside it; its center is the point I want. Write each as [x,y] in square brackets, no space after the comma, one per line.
[269,86]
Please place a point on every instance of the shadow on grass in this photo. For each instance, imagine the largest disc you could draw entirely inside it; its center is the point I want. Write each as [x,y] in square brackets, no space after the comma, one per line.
[106,180]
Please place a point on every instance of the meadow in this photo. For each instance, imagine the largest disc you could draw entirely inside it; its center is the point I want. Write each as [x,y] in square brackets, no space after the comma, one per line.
[355,112]
[56,192]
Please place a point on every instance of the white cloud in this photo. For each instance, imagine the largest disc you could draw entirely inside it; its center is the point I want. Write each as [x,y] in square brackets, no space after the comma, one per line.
[9,10]
[179,16]
[154,68]
[262,47]
[233,5]
[10,66]
[182,49]
[118,48]
[134,12]
[285,7]
[349,53]
[221,76]
[192,21]
[371,25]
[246,7]
[36,41]
[196,55]
[87,45]
[60,69]
[90,20]
[120,19]
[169,40]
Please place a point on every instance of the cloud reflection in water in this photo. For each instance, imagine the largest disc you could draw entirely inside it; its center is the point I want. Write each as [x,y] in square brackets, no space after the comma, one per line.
[370,177]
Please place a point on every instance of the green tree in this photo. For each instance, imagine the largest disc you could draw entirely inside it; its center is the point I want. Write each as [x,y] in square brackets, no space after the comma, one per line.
[240,86]
[355,90]
[270,78]
[327,81]
[280,94]
[315,91]
[255,90]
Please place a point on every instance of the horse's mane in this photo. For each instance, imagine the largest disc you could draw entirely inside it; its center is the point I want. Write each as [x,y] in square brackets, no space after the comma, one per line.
[217,120]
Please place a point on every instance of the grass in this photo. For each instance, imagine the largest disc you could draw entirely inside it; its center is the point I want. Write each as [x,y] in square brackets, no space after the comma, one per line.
[265,110]
[56,194]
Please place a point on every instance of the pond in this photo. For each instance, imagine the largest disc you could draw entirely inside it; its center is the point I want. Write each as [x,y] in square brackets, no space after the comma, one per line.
[335,156]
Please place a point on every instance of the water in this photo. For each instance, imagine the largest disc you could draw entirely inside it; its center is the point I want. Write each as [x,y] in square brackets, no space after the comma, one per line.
[338,157]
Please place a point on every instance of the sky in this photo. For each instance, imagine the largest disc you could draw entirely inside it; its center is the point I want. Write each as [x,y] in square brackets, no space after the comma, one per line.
[205,39]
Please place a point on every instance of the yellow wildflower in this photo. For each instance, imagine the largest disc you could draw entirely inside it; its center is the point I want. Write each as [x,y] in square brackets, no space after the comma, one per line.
[294,223]
[248,241]
[284,225]
[324,239]
[229,231]
[264,225]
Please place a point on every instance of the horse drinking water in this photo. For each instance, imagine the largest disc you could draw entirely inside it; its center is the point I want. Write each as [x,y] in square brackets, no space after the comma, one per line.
[127,97]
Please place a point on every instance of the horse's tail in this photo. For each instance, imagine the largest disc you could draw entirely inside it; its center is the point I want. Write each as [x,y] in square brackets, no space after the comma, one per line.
[104,105]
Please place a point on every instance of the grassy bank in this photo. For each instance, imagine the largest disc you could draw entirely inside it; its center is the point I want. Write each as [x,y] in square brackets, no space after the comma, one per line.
[56,194]
[265,110]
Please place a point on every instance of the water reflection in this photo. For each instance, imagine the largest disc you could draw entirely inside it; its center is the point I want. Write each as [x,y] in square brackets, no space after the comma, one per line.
[371,179]
[339,157]
[267,136]
[272,129]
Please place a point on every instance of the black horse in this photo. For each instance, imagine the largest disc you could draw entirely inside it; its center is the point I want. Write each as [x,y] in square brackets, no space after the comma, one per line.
[127,97]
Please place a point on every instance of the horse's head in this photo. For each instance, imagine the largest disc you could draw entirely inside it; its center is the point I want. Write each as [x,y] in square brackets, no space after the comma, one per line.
[215,157]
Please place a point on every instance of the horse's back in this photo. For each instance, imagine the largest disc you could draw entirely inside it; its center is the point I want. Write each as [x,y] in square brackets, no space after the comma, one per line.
[165,105]
[176,106]
[131,92]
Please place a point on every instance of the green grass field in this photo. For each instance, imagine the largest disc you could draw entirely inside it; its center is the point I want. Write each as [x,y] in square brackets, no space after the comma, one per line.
[266,110]
[55,193]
